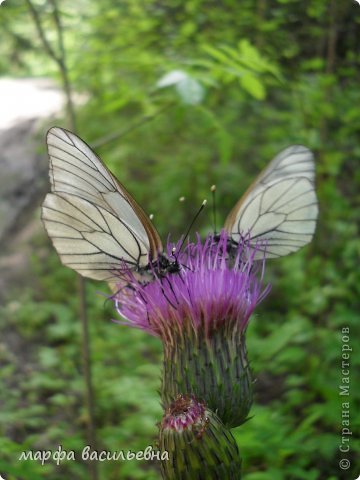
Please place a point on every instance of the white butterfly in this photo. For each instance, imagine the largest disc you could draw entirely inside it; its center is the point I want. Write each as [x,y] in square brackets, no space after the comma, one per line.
[94,223]
[97,227]
[280,208]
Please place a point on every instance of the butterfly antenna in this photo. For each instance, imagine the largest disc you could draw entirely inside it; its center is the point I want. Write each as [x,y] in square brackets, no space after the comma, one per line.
[173,250]
[190,227]
[213,196]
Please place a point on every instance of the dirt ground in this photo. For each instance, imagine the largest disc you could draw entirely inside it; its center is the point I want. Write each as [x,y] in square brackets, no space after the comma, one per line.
[29,107]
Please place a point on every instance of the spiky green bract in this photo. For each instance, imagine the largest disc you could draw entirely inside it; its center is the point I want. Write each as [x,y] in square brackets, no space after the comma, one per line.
[198,444]
[212,368]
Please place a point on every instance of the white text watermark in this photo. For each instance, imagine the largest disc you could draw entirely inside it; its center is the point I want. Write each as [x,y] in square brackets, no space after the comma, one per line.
[344,394]
[87,454]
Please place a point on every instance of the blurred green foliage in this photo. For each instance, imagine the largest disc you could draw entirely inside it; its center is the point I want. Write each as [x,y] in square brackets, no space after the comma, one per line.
[259,76]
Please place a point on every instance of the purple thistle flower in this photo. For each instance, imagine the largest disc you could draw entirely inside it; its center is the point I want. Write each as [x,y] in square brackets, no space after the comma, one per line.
[213,289]
[201,314]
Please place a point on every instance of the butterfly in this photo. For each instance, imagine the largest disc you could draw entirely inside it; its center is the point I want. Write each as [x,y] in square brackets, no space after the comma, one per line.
[94,223]
[279,210]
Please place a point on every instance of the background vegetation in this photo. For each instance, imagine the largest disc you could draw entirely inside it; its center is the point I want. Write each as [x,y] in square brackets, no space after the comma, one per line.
[258,76]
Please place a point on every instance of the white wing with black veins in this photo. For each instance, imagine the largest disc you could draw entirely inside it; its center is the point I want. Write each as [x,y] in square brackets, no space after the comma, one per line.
[94,223]
[280,207]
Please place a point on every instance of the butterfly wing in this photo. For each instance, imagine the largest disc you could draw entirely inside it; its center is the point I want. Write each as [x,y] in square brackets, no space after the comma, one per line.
[93,222]
[280,207]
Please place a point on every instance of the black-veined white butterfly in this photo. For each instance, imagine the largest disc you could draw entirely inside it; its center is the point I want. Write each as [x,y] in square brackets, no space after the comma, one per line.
[95,225]
[280,207]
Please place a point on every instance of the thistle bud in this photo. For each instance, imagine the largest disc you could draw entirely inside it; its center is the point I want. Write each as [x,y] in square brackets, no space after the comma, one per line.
[198,444]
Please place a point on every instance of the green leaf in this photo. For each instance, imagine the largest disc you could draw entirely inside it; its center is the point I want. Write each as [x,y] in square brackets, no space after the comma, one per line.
[253,86]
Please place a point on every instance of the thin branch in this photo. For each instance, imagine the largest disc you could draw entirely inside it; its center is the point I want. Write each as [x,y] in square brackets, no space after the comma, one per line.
[60,60]
[63,68]
[59,30]
[119,134]
[40,30]
[332,37]
[86,360]
[86,344]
